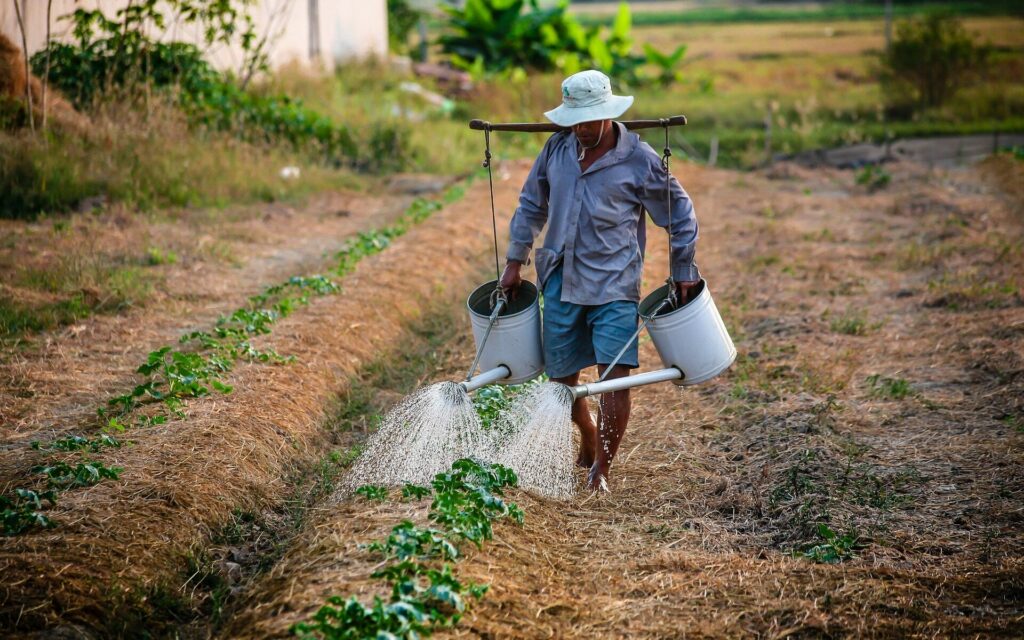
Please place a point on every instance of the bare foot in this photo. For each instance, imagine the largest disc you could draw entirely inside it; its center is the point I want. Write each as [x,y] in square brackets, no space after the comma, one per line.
[597,479]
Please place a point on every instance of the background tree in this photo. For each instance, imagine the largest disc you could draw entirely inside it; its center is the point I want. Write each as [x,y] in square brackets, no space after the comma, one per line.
[931,58]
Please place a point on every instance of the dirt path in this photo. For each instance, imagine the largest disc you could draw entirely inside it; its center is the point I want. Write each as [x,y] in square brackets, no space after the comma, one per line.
[121,547]
[878,391]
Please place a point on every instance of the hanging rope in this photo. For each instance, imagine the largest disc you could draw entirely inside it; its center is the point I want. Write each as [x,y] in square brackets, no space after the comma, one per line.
[494,219]
[498,299]
[666,154]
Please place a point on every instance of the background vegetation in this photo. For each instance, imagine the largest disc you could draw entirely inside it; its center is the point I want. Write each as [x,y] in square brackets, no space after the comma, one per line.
[165,129]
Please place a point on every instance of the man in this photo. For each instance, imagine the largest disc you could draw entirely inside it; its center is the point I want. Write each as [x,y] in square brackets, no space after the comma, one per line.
[590,185]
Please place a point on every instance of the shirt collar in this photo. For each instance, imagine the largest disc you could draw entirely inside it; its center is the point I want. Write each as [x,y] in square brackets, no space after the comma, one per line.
[623,147]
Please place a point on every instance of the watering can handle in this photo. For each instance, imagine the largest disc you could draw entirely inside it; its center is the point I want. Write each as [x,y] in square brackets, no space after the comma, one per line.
[550,127]
[646,319]
[499,300]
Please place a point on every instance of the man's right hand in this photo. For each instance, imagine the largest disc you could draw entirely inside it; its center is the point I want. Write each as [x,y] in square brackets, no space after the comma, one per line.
[510,279]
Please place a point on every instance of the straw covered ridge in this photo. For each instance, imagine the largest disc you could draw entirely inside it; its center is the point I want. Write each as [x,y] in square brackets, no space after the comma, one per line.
[219,260]
[879,390]
[121,540]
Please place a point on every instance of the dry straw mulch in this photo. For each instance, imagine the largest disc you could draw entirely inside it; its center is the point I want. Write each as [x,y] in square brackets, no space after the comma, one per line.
[119,542]
[718,489]
[54,385]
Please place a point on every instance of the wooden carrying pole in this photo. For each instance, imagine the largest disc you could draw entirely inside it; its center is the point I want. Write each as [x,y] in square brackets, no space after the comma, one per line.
[541,127]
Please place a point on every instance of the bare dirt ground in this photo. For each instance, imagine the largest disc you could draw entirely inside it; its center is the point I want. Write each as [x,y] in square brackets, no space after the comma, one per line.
[879,390]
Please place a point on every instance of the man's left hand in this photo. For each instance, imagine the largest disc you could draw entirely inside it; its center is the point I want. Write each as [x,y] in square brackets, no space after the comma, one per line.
[686,291]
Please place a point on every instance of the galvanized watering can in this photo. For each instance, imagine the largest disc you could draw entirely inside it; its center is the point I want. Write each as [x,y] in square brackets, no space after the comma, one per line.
[691,338]
[507,335]
[692,341]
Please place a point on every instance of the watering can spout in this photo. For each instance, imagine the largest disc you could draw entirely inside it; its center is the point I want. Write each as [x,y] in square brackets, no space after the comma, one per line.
[491,376]
[628,382]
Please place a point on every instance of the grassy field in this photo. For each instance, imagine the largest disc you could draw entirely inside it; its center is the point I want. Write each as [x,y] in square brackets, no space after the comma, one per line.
[818,81]
[676,12]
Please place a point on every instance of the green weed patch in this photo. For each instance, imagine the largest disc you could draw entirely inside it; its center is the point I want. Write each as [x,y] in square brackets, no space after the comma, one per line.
[833,548]
[892,388]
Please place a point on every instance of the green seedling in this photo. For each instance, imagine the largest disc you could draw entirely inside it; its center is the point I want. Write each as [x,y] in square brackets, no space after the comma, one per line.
[350,619]
[78,443]
[373,492]
[874,177]
[414,492]
[409,541]
[884,387]
[21,511]
[834,549]
[61,475]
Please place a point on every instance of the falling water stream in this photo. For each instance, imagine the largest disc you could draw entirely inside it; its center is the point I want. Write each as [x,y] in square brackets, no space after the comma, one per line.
[421,437]
[436,425]
[535,438]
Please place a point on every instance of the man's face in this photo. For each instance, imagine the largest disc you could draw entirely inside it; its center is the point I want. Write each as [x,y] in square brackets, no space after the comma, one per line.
[588,133]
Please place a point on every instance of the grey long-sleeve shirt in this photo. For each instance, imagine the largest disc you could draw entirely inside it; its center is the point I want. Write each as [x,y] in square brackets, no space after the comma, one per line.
[595,218]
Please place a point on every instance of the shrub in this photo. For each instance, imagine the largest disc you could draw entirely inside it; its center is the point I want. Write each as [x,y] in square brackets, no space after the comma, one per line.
[498,36]
[402,18]
[931,58]
[35,181]
[111,56]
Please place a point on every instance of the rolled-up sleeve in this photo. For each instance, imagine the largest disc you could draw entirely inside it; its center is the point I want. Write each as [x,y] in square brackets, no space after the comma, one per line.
[683,218]
[532,212]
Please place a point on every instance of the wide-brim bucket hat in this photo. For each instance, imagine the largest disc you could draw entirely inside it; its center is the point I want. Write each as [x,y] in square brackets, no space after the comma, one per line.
[587,96]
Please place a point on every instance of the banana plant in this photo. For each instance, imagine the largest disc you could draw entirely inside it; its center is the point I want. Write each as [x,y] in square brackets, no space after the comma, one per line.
[666,63]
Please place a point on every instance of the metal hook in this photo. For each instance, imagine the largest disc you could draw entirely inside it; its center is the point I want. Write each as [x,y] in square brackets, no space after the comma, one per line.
[487,147]
[672,297]
[498,297]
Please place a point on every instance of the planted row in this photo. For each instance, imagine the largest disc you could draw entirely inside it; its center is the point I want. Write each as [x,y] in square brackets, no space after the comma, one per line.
[425,594]
[195,369]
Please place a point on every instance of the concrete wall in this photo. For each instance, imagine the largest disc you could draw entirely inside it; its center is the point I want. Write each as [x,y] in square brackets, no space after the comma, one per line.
[347,28]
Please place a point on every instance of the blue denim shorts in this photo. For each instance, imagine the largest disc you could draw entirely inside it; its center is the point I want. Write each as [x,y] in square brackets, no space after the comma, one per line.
[580,336]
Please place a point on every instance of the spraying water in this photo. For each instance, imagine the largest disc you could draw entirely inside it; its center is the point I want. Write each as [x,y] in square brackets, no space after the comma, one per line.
[435,426]
[535,438]
[421,437]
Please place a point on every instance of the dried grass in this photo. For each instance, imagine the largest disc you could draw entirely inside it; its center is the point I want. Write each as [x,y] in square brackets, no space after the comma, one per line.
[121,541]
[223,257]
[697,538]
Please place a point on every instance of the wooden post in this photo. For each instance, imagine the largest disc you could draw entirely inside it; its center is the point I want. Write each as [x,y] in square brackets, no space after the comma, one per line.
[768,137]
[888,24]
[46,74]
[314,30]
[713,154]
[28,70]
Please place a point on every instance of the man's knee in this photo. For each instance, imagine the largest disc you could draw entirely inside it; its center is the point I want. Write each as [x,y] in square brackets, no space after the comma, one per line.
[618,371]
[569,380]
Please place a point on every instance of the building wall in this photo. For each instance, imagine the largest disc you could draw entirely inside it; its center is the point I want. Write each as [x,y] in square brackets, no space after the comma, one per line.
[347,28]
